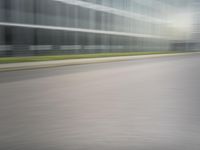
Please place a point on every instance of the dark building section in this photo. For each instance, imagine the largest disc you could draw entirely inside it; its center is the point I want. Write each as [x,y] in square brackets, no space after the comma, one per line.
[185,46]
[49,27]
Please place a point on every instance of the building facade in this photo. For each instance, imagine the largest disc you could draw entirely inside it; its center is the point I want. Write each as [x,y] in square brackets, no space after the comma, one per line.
[44,27]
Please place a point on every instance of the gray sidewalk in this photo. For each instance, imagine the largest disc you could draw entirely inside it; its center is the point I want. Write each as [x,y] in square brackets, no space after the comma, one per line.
[46,64]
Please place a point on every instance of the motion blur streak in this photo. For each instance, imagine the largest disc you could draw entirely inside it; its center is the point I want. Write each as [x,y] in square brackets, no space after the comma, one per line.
[79,30]
[149,104]
[49,27]
[143,103]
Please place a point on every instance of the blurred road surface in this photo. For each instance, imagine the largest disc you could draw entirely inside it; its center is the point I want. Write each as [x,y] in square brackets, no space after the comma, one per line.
[146,104]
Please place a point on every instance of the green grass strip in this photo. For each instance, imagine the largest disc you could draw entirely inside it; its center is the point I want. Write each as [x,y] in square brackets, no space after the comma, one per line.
[74,56]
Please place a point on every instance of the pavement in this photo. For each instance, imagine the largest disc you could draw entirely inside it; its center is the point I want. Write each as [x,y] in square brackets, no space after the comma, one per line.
[139,104]
[58,63]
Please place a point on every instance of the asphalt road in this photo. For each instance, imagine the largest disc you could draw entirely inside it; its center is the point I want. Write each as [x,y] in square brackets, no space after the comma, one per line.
[146,104]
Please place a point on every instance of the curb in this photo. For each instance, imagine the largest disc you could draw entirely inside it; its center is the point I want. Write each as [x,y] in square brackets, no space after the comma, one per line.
[59,63]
